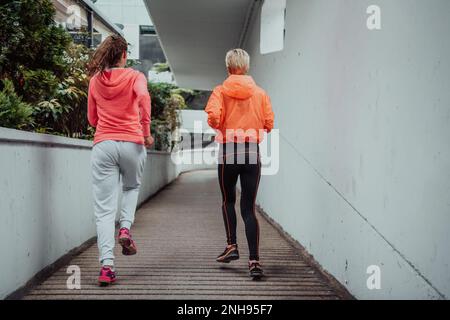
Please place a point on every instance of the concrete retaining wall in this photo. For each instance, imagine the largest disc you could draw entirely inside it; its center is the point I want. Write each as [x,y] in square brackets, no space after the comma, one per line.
[46,200]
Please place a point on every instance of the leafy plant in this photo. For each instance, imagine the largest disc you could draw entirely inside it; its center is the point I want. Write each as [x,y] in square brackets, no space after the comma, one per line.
[161,67]
[72,93]
[48,85]
[14,113]
[39,85]
[166,103]
[32,56]
[162,135]
[132,63]
[50,110]
[30,38]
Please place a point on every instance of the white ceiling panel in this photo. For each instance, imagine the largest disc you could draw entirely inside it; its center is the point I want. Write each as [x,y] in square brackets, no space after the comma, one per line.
[196,34]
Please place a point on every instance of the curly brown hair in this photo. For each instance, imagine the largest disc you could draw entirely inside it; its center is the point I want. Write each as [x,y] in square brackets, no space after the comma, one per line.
[108,54]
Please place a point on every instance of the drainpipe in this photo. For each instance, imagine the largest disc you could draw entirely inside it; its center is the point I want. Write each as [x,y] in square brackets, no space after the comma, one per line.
[248,19]
[90,20]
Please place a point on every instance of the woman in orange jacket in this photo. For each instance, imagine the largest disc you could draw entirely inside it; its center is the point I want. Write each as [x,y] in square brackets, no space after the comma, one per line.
[241,113]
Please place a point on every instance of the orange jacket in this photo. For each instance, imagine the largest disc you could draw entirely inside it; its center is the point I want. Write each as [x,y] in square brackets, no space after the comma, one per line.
[239,110]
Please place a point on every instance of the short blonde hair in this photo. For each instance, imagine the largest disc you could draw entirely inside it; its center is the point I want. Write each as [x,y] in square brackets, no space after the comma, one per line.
[237,61]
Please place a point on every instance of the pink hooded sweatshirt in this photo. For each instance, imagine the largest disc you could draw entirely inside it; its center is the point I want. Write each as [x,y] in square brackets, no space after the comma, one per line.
[119,106]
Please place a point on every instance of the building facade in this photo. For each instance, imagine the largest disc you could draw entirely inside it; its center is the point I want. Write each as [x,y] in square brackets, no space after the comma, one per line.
[138,29]
[84,21]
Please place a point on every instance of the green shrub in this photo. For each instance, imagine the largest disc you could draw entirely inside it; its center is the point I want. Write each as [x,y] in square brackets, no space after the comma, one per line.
[30,38]
[47,70]
[162,135]
[72,93]
[161,67]
[39,85]
[166,103]
[14,113]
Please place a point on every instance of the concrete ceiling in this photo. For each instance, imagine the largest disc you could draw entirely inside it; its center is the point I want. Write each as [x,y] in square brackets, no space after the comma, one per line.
[196,34]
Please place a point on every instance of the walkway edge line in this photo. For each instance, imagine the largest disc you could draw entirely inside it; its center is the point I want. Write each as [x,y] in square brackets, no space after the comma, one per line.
[309,259]
[48,271]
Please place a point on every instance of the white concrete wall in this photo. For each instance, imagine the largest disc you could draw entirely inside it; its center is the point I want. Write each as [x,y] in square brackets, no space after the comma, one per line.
[364,118]
[197,159]
[46,201]
[190,117]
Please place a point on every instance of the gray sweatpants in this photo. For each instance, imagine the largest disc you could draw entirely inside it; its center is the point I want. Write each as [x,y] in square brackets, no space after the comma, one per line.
[111,162]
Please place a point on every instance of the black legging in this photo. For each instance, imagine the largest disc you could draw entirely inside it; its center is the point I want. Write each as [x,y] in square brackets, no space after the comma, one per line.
[250,173]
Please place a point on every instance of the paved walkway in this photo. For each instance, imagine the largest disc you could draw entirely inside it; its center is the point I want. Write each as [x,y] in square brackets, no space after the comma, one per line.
[179,233]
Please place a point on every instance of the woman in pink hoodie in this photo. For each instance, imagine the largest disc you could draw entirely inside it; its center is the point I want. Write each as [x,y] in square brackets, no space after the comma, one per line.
[119,109]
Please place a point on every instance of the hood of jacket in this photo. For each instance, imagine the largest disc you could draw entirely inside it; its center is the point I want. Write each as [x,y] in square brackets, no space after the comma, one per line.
[111,83]
[239,87]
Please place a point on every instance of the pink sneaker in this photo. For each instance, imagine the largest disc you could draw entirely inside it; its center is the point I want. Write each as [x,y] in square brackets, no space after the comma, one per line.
[106,277]
[128,245]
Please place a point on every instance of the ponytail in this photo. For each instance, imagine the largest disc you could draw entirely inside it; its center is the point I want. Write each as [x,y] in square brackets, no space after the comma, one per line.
[108,54]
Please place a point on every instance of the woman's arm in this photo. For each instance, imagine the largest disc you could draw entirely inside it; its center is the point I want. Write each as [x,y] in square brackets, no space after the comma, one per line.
[214,109]
[268,114]
[92,106]
[144,101]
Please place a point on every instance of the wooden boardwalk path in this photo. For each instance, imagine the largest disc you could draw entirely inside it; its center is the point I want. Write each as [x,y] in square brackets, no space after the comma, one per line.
[179,233]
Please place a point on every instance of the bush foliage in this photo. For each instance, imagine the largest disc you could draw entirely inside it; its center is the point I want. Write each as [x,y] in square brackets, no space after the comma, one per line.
[14,113]
[44,83]
[166,102]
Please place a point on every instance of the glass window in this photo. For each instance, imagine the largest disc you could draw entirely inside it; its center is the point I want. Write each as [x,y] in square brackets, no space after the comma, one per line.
[149,46]
[147,30]
[272,26]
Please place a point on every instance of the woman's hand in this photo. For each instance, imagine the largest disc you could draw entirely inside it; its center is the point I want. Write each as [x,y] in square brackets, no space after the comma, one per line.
[148,141]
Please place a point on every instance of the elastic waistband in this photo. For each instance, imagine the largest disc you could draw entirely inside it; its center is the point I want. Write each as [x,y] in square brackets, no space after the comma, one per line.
[231,147]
